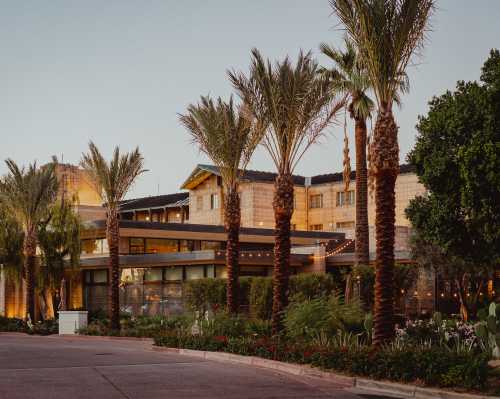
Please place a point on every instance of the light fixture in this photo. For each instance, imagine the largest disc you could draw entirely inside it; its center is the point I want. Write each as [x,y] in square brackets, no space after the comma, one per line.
[261,223]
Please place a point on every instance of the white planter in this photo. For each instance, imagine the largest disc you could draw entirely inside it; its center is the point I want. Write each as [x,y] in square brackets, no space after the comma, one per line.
[72,320]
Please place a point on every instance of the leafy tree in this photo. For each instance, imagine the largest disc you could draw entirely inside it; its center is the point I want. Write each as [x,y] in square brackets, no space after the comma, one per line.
[350,76]
[229,137]
[59,243]
[295,104]
[112,180]
[386,33]
[457,158]
[11,245]
[27,194]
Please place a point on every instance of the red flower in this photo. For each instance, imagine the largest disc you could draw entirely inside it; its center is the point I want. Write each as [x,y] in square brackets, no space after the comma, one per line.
[221,338]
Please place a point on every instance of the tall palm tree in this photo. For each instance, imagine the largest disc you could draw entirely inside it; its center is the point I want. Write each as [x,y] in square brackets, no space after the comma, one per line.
[228,136]
[112,180]
[351,77]
[27,194]
[295,104]
[387,33]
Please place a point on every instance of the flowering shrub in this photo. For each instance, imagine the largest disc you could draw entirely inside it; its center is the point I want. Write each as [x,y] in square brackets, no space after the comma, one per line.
[433,366]
[453,334]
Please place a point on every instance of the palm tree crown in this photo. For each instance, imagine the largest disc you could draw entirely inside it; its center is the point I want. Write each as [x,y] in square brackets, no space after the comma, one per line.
[112,180]
[226,134]
[28,192]
[295,103]
[350,77]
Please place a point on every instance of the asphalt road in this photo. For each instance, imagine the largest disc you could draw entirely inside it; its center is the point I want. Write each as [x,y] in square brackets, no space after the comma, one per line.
[79,368]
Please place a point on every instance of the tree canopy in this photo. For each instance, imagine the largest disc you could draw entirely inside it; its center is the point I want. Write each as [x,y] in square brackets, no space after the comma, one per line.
[457,158]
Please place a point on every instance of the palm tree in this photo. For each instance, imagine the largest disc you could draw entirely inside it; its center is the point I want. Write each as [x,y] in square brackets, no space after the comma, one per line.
[27,194]
[351,77]
[386,33]
[228,136]
[112,180]
[295,104]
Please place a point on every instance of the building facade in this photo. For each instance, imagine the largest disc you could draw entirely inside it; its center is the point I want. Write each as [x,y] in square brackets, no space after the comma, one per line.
[169,239]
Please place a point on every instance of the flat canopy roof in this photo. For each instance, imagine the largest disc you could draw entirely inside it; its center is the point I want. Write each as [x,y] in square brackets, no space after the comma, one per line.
[189,231]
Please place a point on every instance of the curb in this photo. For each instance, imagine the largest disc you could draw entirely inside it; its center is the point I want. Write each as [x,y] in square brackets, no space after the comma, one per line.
[362,385]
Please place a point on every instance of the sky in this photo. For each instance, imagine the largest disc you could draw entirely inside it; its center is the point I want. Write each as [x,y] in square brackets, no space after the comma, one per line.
[119,72]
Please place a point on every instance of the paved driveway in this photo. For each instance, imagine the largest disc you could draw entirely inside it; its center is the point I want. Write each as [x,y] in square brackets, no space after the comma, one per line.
[78,368]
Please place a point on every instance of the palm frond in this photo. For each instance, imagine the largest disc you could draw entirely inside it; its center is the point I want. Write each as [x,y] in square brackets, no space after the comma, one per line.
[387,33]
[226,133]
[294,102]
[113,179]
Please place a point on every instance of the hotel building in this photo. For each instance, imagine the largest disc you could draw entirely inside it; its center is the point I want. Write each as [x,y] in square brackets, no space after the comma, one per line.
[168,239]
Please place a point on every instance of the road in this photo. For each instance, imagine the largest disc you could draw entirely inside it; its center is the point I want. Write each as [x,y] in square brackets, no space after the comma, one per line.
[56,367]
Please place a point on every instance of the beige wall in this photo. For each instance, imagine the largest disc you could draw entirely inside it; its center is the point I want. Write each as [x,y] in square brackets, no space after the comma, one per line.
[257,199]
[73,181]
[201,195]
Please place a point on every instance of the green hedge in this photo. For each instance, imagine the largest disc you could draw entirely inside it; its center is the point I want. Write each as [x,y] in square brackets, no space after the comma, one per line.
[256,293]
[431,366]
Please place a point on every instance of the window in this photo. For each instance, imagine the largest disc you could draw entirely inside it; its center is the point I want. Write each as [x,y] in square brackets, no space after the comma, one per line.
[136,246]
[214,201]
[161,245]
[316,201]
[345,198]
[95,247]
[195,272]
[345,225]
[199,203]
[316,227]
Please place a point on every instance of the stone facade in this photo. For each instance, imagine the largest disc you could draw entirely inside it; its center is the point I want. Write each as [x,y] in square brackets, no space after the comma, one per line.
[323,207]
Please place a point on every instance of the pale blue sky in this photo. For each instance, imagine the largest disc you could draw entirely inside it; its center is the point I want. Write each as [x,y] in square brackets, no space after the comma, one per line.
[118,72]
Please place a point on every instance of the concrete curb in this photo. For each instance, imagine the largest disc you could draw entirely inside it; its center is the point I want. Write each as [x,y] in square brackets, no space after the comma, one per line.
[356,384]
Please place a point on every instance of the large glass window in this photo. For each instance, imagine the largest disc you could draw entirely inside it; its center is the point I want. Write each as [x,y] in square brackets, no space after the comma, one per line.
[213,245]
[137,245]
[95,247]
[194,272]
[173,273]
[161,245]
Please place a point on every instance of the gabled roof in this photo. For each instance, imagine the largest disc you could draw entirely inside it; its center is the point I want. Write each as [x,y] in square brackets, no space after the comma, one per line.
[155,202]
[203,172]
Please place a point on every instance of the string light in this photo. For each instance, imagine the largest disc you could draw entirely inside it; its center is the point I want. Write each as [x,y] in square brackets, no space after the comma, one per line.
[335,251]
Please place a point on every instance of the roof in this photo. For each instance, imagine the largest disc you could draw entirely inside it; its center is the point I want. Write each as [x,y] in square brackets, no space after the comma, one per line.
[158,201]
[338,177]
[202,172]
[209,228]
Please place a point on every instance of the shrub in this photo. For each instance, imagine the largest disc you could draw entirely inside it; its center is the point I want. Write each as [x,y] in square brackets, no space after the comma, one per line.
[204,294]
[11,324]
[46,327]
[311,286]
[261,297]
[310,318]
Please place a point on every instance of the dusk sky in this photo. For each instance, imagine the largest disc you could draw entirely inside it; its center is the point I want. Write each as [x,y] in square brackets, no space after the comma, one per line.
[118,72]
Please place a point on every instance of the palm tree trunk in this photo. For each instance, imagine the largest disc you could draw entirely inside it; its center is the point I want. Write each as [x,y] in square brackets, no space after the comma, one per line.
[29,273]
[362,232]
[232,218]
[283,209]
[112,232]
[385,158]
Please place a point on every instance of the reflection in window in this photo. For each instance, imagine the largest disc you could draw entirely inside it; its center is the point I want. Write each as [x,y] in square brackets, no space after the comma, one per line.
[221,272]
[194,272]
[136,245]
[161,245]
[173,273]
[95,247]
[154,274]
[211,245]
